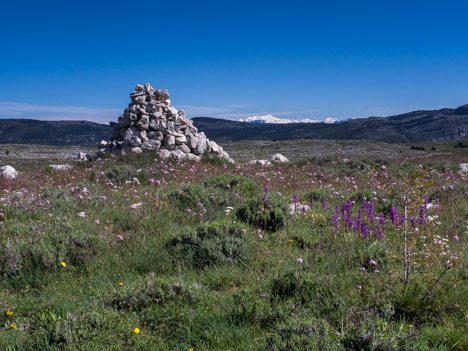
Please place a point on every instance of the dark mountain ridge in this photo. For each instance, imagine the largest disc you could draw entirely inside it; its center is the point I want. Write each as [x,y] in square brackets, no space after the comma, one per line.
[416,126]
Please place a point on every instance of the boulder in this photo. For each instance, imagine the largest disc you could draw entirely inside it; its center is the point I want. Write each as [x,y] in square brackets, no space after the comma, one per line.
[65,167]
[279,158]
[260,163]
[8,172]
[81,157]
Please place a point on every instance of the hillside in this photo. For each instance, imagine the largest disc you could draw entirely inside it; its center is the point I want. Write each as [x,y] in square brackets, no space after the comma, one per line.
[60,133]
[418,126]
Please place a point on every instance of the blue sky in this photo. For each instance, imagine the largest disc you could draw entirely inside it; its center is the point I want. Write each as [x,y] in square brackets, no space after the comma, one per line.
[233,59]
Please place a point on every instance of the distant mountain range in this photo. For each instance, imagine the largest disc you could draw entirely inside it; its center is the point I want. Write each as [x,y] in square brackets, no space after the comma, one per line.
[30,131]
[417,126]
[273,119]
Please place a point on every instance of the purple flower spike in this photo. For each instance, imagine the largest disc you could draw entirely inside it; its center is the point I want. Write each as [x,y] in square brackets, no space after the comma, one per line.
[295,199]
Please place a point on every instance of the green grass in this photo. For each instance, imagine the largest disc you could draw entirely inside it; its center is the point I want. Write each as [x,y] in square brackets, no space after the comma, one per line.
[169,256]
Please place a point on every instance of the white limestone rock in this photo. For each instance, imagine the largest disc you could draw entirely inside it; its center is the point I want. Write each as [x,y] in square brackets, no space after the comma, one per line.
[81,157]
[279,158]
[8,172]
[151,122]
[263,163]
[64,167]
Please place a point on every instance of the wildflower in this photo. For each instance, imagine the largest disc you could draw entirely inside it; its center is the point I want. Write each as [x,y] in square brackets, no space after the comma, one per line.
[295,199]
[189,210]
[120,237]
[63,264]
[190,349]
[120,284]
[372,262]
[410,325]
[324,205]
[359,287]
[456,238]
[13,326]
[244,230]
[260,236]
[299,260]
[96,221]
[362,269]
[265,189]
[9,313]
[136,331]
[151,180]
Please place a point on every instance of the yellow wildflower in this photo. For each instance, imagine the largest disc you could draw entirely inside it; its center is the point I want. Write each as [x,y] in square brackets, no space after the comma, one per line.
[13,326]
[9,313]
[63,264]
[120,284]
[190,349]
[411,326]
[136,330]
[43,233]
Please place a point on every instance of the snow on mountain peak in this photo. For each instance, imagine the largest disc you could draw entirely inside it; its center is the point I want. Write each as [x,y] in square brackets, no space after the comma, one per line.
[272,119]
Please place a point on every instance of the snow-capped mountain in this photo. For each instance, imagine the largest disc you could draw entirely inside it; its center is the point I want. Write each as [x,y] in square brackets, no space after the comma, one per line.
[272,119]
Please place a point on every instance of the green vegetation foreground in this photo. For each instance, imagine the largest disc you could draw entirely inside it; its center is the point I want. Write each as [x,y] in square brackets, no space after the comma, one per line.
[321,254]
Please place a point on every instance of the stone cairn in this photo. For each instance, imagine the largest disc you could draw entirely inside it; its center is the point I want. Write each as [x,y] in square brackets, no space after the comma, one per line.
[151,123]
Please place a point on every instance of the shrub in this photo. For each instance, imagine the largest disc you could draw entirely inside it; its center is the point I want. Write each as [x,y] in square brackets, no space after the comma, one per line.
[154,290]
[190,195]
[35,254]
[302,333]
[419,148]
[213,159]
[238,183]
[123,172]
[214,243]
[267,212]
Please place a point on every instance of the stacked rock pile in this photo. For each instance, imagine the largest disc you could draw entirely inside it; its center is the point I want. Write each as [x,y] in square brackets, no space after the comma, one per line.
[151,123]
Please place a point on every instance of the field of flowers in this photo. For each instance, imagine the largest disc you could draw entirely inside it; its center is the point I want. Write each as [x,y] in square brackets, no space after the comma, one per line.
[324,253]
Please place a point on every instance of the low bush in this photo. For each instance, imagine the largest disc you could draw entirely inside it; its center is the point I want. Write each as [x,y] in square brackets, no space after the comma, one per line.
[267,212]
[213,243]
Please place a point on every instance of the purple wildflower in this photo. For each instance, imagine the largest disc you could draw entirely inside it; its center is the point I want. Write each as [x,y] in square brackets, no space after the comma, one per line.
[413,223]
[295,199]
[382,219]
[265,189]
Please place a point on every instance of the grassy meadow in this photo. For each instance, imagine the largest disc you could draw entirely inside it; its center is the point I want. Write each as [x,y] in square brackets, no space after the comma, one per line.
[328,252]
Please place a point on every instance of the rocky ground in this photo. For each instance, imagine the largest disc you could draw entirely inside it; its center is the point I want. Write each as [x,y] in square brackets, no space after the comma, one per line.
[24,157]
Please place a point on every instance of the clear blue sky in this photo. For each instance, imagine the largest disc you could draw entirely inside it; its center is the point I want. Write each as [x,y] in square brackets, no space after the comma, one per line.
[233,59]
